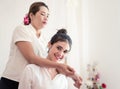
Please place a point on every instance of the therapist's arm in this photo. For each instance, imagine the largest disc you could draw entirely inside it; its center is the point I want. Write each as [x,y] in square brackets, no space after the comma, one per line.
[27,51]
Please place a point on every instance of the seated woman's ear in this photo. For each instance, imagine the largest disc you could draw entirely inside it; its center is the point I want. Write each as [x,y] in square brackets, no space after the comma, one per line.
[49,45]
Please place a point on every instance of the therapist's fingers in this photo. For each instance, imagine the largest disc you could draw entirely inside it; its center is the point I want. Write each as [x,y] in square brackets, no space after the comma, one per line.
[70,71]
[66,70]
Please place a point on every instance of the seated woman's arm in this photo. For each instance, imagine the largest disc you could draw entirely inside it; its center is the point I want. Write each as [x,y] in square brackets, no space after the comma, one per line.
[77,80]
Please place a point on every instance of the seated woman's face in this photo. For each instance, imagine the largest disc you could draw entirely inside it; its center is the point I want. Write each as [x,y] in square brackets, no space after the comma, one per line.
[58,51]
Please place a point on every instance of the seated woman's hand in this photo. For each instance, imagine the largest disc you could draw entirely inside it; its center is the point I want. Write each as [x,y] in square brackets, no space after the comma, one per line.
[77,80]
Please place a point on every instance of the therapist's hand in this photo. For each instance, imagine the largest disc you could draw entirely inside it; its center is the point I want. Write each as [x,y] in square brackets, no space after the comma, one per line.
[66,70]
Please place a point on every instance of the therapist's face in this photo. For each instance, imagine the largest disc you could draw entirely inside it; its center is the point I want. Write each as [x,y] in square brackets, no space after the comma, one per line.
[39,20]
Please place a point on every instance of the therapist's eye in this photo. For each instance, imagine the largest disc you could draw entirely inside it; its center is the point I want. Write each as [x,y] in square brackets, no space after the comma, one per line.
[44,14]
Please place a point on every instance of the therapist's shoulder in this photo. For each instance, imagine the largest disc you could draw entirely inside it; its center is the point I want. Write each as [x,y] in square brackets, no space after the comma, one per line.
[20,27]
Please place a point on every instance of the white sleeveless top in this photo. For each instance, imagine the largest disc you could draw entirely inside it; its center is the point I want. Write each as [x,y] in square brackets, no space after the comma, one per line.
[17,62]
[35,77]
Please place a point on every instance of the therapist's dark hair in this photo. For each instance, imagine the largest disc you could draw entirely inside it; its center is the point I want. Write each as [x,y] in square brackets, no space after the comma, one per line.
[34,8]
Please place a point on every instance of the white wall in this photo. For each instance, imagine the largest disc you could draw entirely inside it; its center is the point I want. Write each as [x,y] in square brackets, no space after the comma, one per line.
[8,20]
[101,38]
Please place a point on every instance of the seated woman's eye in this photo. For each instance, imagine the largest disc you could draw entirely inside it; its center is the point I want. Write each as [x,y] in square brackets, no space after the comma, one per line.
[59,48]
[66,51]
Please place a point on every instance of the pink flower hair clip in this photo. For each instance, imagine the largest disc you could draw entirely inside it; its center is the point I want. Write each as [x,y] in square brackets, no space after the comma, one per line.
[26,20]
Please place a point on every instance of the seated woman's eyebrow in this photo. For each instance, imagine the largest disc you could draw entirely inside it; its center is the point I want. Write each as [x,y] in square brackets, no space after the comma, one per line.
[60,48]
